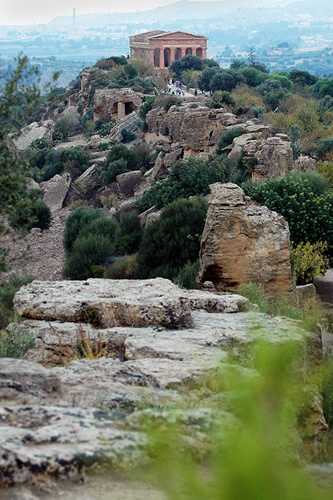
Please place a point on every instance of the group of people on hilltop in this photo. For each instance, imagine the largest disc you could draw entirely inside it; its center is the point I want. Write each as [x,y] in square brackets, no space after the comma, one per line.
[176,88]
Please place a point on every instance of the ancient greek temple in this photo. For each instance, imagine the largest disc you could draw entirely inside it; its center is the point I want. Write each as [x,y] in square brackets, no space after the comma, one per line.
[161,48]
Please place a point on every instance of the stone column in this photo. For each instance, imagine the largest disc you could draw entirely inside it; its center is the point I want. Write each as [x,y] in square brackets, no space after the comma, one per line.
[172,55]
[204,53]
[162,57]
[121,110]
[151,56]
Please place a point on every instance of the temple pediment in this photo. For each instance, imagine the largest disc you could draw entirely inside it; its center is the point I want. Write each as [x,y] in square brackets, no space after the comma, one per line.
[177,35]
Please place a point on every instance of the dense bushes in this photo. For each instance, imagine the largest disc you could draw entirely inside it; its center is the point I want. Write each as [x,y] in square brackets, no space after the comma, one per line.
[227,138]
[91,240]
[173,241]
[87,252]
[308,261]
[45,163]
[7,292]
[31,211]
[186,178]
[122,159]
[305,202]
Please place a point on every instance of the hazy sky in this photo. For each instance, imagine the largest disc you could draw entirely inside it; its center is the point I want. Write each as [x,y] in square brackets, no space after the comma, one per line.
[41,11]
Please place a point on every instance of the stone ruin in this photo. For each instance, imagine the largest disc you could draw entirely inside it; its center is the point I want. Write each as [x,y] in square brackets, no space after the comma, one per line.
[111,104]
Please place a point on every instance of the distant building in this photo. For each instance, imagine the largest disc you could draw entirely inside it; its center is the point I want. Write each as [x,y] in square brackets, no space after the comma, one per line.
[161,48]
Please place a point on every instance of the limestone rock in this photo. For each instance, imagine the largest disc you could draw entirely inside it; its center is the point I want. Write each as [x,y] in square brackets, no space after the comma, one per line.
[90,180]
[56,190]
[131,123]
[129,182]
[304,163]
[243,242]
[194,126]
[145,218]
[275,158]
[29,134]
[108,302]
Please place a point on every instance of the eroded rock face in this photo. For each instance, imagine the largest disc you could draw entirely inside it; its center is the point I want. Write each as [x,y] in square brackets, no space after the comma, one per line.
[194,126]
[243,242]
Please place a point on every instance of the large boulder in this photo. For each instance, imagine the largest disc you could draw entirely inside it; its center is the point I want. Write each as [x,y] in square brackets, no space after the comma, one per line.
[56,190]
[243,242]
[90,180]
[29,134]
[274,158]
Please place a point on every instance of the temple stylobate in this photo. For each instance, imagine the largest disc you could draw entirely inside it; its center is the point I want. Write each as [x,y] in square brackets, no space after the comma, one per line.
[161,48]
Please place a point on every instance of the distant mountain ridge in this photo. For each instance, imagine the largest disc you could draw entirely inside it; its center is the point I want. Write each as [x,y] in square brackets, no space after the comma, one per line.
[184,9]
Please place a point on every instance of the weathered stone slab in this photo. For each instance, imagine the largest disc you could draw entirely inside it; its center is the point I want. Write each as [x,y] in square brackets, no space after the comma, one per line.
[106,302]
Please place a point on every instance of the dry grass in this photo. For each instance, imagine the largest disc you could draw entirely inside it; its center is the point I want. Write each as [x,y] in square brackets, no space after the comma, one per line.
[86,345]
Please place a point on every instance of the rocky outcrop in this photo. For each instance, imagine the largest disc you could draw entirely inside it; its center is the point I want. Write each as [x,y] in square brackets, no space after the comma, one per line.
[243,242]
[29,134]
[265,154]
[112,302]
[56,190]
[194,126]
[196,129]
[274,158]
[55,420]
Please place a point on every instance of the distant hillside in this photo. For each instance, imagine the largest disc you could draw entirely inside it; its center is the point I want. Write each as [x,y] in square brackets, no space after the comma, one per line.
[184,9]
[189,10]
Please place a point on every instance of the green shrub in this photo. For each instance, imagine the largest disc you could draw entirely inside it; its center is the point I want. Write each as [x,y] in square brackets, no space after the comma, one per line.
[76,221]
[43,143]
[122,268]
[86,252]
[30,212]
[308,261]
[273,307]
[128,136]
[326,169]
[258,111]
[14,343]
[111,170]
[105,129]
[304,201]
[127,244]
[119,160]
[190,177]
[324,147]
[227,138]
[173,240]
[7,292]
[100,226]
[186,278]
[129,223]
